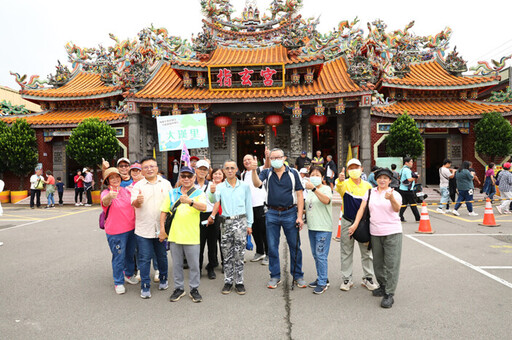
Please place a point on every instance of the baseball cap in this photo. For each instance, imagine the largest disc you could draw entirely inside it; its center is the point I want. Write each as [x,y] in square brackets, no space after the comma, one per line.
[303,171]
[124,159]
[303,152]
[136,166]
[194,158]
[201,163]
[353,161]
[506,165]
[187,169]
[85,169]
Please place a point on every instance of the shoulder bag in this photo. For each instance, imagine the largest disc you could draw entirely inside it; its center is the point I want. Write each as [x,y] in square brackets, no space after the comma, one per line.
[362,233]
[172,212]
[39,185]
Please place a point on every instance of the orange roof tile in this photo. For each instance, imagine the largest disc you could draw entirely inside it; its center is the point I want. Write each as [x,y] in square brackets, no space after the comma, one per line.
[431,74]
[440,108]
[68,117]
[333,80]
[277,54]
[83,84]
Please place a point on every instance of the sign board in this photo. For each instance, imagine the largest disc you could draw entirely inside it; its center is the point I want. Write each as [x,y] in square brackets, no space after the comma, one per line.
[190,129]
[246,77]
[385,162]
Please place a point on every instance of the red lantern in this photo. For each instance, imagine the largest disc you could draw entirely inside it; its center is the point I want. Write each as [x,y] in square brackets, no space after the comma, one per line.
[274,121]
[317,121]
[223,122]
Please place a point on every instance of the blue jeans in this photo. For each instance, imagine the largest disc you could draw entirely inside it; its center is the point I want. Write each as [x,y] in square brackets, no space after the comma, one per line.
[489,188]
[465,196]
[320,242]
[286,219]
[122,247]
[146,248]
[445,195]
[50,199]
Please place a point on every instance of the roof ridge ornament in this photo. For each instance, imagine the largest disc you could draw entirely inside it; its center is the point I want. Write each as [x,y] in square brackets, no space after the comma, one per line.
[454,64]
[483,68]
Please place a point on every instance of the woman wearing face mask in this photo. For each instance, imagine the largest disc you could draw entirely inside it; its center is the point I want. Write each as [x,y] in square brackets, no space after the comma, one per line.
[319,216]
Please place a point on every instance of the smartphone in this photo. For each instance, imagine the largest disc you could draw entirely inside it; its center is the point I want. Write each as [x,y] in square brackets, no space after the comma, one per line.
[205,222]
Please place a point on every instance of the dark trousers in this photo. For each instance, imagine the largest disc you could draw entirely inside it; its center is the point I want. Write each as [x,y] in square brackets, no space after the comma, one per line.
[209,235]
[259,230]
[79,192]
[37,194]
[409,197]
[88,195]
[61,193]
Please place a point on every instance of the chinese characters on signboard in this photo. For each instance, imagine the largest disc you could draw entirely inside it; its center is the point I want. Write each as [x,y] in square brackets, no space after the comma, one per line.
[190,129]
[251,77]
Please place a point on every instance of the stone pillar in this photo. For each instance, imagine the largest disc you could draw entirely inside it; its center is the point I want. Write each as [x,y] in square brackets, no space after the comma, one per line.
[232,141]
[295,139]
[134,133]
[339,142]
[365,138]
[59,161]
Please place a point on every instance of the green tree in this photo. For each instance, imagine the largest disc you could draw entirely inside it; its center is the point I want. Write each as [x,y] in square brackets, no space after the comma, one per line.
[493,136]
[91,141]
[18,147]
[3,162]
[404,138]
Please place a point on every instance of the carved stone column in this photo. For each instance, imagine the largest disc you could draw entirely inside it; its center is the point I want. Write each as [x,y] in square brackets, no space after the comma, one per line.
[339,142]
[134,140]
[365,138]
[295,139]
[232,141]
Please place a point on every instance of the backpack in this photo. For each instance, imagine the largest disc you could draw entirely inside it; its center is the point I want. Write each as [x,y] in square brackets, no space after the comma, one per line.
[292,178]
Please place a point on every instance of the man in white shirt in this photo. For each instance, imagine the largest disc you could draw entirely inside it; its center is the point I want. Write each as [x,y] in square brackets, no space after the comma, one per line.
[445,173]
[259,230]
[35,181]
[88,183]
[147,197]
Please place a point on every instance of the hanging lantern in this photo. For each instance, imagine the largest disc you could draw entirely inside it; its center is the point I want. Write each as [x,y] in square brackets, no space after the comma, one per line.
[175,110]
[296,111]
[223,122]
[295,77]
[340,107]
[317,121]
[319,109]
[187,81]
[156,112]
[274,121]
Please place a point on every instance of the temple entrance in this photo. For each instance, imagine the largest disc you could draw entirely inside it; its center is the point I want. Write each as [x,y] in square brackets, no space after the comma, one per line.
[251,140]
[435,154]
[325,141]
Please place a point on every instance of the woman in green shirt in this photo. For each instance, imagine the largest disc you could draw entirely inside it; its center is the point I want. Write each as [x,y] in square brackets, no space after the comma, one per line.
[319,216]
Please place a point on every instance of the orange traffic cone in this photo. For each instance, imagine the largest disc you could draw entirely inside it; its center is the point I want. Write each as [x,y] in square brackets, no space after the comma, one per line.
[338,235]
[489,220]
[424,226]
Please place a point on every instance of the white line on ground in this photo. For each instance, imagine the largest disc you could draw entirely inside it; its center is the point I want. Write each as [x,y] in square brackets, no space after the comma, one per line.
[21,225]
[495,267]
[434,235]
[467,264]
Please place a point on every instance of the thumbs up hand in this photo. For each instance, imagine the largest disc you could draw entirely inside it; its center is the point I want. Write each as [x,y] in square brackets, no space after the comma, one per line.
[140,197]
[213,187]
[104,164]
[113,193]
[341,177]
[389,194]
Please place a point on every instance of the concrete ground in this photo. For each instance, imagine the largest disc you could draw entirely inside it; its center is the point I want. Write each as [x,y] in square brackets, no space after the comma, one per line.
[56,282]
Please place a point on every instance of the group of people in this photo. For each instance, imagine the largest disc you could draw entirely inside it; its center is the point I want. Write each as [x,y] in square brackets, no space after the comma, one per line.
[38,183]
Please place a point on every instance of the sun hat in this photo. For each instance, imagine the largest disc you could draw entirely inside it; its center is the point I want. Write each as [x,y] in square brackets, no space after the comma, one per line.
[385,172]
[109,172]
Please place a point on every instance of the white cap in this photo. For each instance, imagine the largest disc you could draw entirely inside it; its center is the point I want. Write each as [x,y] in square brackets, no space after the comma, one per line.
[353,161]
[201,163]
[124,159]
[303,171]
[84,170]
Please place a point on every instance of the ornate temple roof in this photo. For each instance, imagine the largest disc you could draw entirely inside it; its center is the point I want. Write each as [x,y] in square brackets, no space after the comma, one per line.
[446,109]
[61,118]
[81,86]
[333,81]
[432,76]
[14,97]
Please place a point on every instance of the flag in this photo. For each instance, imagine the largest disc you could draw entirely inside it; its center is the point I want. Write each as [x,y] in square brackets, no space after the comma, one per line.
[185,155]
[154,153]
[349,153]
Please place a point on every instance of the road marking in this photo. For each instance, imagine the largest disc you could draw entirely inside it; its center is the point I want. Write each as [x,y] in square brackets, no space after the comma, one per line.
[467,264]
[495,267]
[21,225]
[18,220]
[453,216]
[26,217]
[46,219]
[436,235]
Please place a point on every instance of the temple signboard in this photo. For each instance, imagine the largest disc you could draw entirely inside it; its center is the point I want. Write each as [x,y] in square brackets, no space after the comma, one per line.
[246,77]
[189,129]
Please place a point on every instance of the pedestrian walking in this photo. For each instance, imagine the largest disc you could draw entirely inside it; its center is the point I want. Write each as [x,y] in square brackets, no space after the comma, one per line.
[184,236]
[147,197]
[236,223]
[505,186]
[119,228]
[465,187]
[60,190]
[445,173]
[490,182]
[386,234]
[352,191]
[50,190]
[88,184]
[407,181]
[36,185]
[259,229]
[79,188]
[319,216]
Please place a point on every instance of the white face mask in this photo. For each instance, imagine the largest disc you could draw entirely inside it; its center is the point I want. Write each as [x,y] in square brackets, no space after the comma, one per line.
[315,180]
[277,163]
[355,173]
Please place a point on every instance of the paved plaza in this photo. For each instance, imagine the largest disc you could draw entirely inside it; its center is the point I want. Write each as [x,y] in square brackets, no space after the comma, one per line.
[56,281]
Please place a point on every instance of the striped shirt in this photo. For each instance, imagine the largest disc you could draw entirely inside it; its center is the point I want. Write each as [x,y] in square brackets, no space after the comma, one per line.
[505,179]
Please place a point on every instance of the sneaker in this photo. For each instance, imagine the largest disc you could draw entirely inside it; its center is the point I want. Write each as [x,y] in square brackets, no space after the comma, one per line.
[77,204]
[138,275]
[258,257]
[48,207]
[337,239]
[319,289]
[448,211]
[88,205]
[473,213]
[177,294]
[368,283]
[240,289]
[131,280]
[387,301]
[455,212]
[81,203]
[211,274]
[346,285]
[379,291]
[315,283]
[227,288]
[163,285]
[120,289]
[273,283]
[440,210]
[507,212]
[301,283]
[156,278]
[195,296]
[145,293]
[499,209]
[264,262]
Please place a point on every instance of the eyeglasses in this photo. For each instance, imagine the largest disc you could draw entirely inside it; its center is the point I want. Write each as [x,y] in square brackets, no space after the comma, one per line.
[150,167]
[230,168]
[186,176]
[275,158]
[123,166]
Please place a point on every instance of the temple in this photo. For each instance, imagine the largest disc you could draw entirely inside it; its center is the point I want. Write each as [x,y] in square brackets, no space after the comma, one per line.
[268,79]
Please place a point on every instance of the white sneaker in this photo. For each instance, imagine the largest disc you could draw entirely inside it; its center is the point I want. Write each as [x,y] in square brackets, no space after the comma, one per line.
[264,262]
[120,289]
[473,214]
[440,210]
[138,275]
[258,257]
[346,285]
[131,280]
[455,212]
[499,209]
[156,278]
[81,203]
[368,283]
[1,243]
[448,211]
[88,205]
[77,204]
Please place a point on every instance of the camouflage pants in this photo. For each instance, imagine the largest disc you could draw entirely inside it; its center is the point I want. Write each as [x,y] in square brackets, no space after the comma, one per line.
[232,243]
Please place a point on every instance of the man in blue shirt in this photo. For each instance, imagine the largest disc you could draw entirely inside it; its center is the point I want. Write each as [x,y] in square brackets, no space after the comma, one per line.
[407,182]
[236,222]
[285,204]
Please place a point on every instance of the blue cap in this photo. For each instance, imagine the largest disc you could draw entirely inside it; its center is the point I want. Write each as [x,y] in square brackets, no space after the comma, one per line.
[187,169]
[303,152]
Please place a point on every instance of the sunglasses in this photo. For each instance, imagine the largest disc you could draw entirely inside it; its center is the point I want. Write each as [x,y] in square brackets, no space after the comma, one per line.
[186,176]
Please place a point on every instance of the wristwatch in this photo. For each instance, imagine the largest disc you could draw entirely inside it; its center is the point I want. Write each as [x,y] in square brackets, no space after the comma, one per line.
[212,217]
[313,190]
[191,203]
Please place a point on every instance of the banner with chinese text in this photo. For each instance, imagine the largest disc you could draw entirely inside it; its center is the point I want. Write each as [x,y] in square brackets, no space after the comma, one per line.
[246,77]
[190,129]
